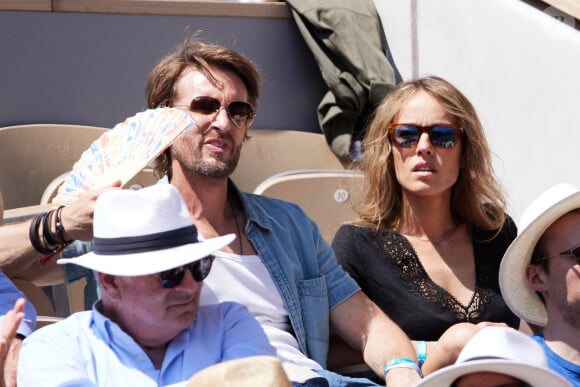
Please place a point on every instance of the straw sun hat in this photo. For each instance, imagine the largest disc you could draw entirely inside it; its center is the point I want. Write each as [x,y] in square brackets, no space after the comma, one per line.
[144,232]
[545,210]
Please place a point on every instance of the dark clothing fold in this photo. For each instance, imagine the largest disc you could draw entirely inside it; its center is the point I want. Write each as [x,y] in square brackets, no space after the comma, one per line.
[348,43]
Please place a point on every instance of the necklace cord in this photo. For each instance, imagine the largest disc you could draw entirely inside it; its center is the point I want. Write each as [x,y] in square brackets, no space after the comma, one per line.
[239,235]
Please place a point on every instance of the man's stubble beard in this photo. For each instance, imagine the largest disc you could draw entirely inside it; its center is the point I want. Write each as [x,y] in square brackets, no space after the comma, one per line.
[215,168]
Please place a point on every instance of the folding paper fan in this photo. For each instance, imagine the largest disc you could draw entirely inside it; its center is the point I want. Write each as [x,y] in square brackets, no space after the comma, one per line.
[120,153]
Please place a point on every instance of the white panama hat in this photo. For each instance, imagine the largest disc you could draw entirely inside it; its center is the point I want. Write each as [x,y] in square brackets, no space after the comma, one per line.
[501,350]
[518,294]
[144,232]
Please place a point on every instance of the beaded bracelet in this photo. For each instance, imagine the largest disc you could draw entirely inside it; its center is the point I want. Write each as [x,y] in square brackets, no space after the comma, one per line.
[402,362]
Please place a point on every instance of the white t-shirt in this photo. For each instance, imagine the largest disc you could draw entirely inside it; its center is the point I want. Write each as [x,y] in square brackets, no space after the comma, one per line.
[245,279]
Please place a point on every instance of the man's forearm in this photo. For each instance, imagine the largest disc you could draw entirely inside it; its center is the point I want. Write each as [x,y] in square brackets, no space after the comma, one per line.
[16,252]
[364,326]
[386,341]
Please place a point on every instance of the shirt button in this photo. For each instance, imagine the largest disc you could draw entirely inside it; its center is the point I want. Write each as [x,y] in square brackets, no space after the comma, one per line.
[139,358]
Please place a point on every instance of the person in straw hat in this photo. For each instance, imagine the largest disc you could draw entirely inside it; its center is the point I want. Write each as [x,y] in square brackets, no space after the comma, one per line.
[279,267]
[540,276]
[497,356]
[148,328]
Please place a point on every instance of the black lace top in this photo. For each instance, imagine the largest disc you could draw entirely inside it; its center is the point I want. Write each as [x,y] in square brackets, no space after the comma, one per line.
[387,269]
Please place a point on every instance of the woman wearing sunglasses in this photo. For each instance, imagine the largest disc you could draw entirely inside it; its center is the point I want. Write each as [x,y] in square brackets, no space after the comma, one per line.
[432,226]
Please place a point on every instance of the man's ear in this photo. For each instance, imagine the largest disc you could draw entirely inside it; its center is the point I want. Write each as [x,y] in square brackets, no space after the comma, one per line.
[536,277]
[109,286]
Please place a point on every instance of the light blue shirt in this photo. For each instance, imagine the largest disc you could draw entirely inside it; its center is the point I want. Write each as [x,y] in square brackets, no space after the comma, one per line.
[9,293]
[88,349]
[302,265]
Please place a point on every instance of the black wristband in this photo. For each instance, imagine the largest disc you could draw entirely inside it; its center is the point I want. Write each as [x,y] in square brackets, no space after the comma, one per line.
[35,238]
[60,227]
[47,234]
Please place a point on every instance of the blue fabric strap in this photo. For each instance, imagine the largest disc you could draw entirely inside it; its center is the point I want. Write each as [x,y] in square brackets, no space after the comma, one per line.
[421,352]
[402,362]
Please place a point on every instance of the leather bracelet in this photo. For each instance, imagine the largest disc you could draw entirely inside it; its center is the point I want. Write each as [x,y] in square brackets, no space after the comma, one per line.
[34,237]
[47,235]
[402,362]
[59,226]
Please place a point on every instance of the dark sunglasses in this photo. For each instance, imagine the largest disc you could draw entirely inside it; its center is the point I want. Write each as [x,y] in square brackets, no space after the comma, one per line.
[241,113]
[573,252]
[441,136]
[199,270]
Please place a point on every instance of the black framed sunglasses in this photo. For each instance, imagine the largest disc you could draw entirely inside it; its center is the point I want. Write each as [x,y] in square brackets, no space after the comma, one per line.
[441,136]
[573,252]
[241,113]
[199,270]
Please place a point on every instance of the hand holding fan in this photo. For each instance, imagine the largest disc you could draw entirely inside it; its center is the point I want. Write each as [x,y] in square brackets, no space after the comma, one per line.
[120,153]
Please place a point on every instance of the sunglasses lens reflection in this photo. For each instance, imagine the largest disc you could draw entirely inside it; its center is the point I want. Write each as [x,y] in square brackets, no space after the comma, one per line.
[408,136]
[199,271]
[241,113]
[201,268]
[171,278]
[205,105]
[443,136]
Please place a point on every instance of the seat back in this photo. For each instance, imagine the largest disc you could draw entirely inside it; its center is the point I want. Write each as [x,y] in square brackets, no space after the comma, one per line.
[32,156]
[327,196]
[269,152]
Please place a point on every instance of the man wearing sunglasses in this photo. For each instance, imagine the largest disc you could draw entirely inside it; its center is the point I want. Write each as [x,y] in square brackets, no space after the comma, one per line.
[540,276]
[279,266]
[148,329]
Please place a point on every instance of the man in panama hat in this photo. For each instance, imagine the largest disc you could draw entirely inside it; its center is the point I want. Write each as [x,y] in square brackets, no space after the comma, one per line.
[148,328]
[540,276]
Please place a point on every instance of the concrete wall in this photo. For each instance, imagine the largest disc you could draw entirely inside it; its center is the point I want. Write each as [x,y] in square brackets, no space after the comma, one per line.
[90,69]
[520,68]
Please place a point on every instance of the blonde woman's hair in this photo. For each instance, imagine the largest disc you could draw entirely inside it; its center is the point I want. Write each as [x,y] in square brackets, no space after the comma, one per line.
[477,197]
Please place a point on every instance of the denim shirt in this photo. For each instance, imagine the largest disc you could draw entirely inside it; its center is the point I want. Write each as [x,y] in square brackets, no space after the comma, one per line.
[301,264]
